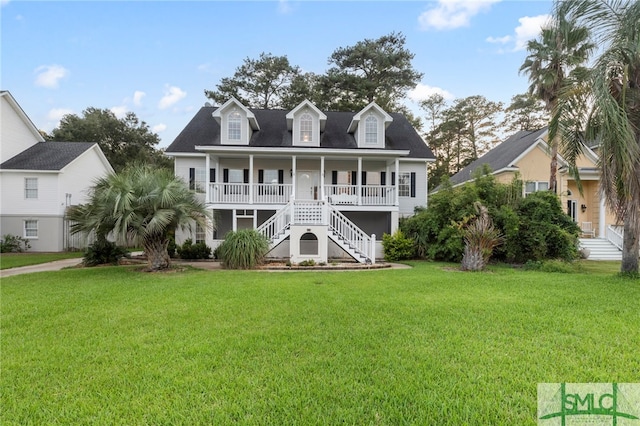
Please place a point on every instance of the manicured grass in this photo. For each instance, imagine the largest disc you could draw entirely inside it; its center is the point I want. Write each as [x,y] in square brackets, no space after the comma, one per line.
[429,345]
[14,260]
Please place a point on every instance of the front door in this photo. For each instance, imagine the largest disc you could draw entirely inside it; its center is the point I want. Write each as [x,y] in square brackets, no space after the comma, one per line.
[307,185]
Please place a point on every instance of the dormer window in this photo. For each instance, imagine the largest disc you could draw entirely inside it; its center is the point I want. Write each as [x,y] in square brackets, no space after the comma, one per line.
[235,125]
[306,127]
[371,130]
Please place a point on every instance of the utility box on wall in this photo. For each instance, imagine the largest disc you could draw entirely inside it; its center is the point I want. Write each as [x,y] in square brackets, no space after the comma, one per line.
[308,242]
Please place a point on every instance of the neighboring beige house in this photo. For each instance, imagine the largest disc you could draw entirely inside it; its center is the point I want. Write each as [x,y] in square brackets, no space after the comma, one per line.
[319,184]
[527,154]
[39,180]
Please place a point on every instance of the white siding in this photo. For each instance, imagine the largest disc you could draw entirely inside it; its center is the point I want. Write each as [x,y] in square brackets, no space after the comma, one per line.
[15,134]
[315,141]
[407,204]
[14,202]
[79,176]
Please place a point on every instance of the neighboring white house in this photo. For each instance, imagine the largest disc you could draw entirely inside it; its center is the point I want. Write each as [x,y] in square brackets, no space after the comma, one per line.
[39,180]
[318,184]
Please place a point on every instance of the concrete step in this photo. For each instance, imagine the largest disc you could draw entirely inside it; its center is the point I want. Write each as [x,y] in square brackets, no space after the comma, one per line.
[600,249]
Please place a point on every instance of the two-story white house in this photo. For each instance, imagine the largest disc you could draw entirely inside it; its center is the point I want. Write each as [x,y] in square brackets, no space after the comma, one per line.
[318,184]
[39,180]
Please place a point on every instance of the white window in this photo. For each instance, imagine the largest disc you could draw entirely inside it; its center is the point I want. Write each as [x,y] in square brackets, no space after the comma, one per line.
[234,124]
[373,178]
[531,187]
[306,127]
[344,178]
[201,179]
[200,234]
[404,184]
[31,188]
[271,176]
[236,176]
[31,229]
[371,130]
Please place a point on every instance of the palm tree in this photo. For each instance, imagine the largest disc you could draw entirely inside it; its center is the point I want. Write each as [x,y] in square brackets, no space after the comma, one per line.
[143,204]
[561,49]
[611,99]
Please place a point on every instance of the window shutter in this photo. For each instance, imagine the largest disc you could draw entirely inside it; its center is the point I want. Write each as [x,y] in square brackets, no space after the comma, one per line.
[280,176]
[192,178]
[354,178]
[334,177]
[364,177]
[225,175]
[393,178]
[260,176]
[212,175]
[383,178]
[246,175]
[413,184]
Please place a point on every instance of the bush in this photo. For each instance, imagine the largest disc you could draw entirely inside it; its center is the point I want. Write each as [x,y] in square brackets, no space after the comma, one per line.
[14,244]
[550,266]
[397,247]
[244,249]
[104,252]
[191,251]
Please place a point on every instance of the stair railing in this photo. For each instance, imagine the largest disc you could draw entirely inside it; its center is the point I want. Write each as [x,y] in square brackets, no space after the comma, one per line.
[278,223]
[355,237]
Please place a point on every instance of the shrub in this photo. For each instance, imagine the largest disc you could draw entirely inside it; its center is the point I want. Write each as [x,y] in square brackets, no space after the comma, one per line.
[550,265]
[397,246]
[308,262]
[191,251]
[480,239]
[14,244]
[244,249]
[104,252]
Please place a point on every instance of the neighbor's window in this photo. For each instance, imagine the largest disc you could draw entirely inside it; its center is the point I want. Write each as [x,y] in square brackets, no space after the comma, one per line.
[404,184]
[531,187]
[371,130]
[31,188]
[200,234]
[234,125]
[306,127]
[31,229]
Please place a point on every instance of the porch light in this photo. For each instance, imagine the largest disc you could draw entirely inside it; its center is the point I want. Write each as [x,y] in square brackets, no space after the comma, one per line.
[583,208]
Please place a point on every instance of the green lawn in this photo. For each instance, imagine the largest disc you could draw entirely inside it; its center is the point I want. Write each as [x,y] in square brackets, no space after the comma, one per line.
[425,346]
[14,260]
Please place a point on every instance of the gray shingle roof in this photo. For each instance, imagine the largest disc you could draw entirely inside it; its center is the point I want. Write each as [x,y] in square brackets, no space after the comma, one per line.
[47,156]
[501,156]
[204,130]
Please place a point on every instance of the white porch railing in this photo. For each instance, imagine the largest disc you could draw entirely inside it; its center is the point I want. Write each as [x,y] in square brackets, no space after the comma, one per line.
[269,193]
[370,195]
[277,224]
[615,235]
[229,193]
[308,213]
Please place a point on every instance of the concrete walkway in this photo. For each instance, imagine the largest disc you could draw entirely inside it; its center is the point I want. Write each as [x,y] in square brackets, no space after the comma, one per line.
[42,267]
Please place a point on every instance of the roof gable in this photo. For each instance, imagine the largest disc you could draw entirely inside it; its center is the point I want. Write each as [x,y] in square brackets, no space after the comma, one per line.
[48,156]
[23,116]
[372,106]
[217,114]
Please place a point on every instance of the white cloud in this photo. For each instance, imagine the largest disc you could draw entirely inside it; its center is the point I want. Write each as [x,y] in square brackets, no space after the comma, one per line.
[451,14]
[4,2]
[172,94]
[284,7]
[529,29]
[56,114]
[423,91]
[499,40]
[137,97]
[119,111]
[49,76]
[158,128]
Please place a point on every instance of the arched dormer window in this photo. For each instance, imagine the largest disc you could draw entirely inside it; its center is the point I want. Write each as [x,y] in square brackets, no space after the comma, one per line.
[235,125]
[306,127]
[371,130]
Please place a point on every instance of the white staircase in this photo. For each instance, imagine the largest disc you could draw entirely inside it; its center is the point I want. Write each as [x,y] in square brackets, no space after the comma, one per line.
[341,230]
[601,249]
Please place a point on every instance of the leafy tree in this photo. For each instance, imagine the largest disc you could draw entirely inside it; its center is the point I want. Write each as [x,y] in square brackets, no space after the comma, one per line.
[372,70]
[143,204]
[610,98]
[258,83]
[123,141]
[478,115]
[562,48]
[433,106]
[526,112]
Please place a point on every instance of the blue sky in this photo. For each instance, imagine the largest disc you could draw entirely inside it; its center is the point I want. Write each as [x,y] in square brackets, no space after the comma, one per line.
[156,58]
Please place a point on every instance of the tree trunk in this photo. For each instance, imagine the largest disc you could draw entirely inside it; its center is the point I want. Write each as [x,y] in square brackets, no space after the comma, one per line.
[553,169]
[157,256]
[630,247]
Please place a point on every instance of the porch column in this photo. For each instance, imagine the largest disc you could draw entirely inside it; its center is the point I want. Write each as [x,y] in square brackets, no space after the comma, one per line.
[207,188]
[359,180]
[250,178]
[397,180]
[602,218]
[293,177]
[234,220]
[322,197]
